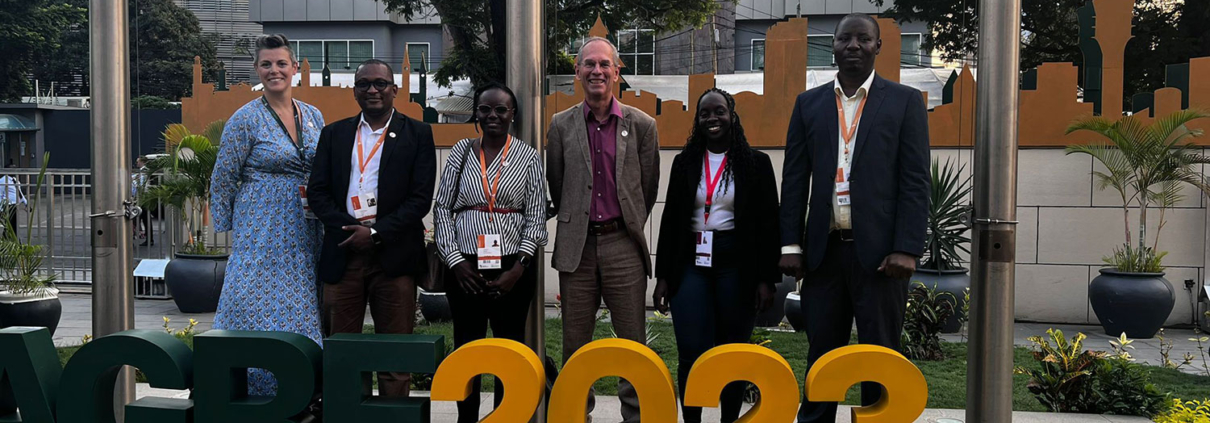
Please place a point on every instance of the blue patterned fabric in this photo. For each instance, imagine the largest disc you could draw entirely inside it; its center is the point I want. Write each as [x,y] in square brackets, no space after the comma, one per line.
[271,282]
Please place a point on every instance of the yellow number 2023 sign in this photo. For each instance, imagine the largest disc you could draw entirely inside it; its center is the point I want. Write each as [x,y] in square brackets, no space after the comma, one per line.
[904,395]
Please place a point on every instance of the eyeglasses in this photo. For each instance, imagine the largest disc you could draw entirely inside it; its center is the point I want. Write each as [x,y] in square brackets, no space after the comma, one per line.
[380,84]
[486,110]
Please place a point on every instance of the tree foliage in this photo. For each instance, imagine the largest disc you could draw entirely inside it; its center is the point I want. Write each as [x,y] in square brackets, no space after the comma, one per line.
[1163,35]
[477,28]
[28,29]
[164,38]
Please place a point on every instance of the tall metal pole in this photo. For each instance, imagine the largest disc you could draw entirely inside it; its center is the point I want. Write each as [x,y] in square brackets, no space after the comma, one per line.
[112,302]
[525,72]
[993,259]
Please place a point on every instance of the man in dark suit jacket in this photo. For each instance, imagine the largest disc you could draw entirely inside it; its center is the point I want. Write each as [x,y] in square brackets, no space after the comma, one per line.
[371,184]
[868,194]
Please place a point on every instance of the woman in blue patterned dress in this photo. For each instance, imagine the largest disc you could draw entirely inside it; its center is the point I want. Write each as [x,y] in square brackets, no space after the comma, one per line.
[264,159]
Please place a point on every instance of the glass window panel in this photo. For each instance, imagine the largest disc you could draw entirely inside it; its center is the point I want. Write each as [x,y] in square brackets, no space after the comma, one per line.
[758,54]
[647,41]
[909,50]
[819,50]
[338,54]
[360,51]
[313,52]
[646,64]
[294,49]
[627,42]
[417,55]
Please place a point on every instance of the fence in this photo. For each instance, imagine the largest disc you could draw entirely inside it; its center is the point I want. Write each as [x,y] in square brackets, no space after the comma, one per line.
[60,221]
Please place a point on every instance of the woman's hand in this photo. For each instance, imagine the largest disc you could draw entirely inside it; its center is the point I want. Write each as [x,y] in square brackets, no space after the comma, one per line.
[764,296]
[468,278]
[507,280]
[660,296]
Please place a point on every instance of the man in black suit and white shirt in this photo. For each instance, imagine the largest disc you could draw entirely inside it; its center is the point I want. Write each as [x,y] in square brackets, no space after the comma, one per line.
[371,184]
[857,151]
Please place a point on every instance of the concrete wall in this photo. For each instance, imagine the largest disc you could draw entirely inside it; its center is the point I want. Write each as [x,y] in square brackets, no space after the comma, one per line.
[695,51]
[1066,226]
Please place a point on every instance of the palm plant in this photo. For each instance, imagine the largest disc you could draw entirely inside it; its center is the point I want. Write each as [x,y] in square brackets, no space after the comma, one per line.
[1146,165]
[185,186]
[946,239]
[21,260]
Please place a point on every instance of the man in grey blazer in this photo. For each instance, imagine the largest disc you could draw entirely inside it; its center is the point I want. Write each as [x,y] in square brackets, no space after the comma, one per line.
[603,166]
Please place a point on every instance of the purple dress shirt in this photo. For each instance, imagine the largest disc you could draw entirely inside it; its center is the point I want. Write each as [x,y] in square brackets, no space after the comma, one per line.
[602,140]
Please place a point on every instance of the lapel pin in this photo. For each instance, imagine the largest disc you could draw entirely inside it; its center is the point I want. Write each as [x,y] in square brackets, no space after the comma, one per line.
[625,133]
[392,134]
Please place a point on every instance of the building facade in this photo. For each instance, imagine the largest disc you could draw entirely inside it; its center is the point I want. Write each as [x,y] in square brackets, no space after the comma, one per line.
[235,35]
[347,32]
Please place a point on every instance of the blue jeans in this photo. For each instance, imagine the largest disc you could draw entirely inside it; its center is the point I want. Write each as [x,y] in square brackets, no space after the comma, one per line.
[713,306]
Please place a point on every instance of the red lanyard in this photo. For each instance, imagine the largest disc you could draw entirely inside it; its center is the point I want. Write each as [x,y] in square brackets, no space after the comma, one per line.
[845,130]
[490,192]
[362,161]
[711,183]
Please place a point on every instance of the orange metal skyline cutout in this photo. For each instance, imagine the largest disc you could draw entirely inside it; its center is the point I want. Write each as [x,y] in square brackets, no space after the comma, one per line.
[1044,112]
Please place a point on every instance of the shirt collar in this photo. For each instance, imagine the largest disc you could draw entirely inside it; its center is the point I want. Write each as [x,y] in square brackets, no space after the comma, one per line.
[614,109]
[367,124]
[861,91]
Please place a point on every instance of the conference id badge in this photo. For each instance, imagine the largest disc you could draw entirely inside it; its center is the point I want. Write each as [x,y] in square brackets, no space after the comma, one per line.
[842,188]
[705,249]
[365,208]
[302,196]
[490,252]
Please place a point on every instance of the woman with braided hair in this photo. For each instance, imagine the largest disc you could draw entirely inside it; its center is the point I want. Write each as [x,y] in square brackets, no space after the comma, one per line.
[719,241]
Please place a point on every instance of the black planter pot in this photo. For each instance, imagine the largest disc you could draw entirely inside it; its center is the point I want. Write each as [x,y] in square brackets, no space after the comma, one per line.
[37,310]
[794,314]
[435,307]
[955,282]
[1133,303]
[773,316]
[196,281]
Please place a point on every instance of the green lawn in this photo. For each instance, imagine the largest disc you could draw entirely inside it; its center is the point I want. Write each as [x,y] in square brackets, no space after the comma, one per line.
[946,379]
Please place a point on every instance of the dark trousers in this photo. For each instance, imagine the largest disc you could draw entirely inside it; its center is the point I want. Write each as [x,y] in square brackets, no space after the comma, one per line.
[474,312]
[145,220]
[713,306]
[392,302]
[835,294]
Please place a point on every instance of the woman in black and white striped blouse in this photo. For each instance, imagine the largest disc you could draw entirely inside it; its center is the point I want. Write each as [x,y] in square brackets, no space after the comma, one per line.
[492,194]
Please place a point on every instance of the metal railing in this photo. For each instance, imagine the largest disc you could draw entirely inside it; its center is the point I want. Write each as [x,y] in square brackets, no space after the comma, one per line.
[60,222]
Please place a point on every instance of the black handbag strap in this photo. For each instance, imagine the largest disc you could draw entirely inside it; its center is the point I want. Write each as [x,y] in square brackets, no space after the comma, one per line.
[458,178]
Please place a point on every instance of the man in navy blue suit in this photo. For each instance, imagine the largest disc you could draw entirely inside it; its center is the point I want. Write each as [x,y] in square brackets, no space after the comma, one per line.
[857,152]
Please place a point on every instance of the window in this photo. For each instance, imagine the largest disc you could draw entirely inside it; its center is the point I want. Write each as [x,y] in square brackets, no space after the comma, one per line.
[910,53]
[758,54]
[637,49]
[418,55]
[819,51]
[341,54]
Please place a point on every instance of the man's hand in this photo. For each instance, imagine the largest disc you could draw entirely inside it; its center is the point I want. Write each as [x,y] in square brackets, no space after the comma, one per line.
[660,296]
[359,240]
[507,280]
[468,278]
[898,266]
[791,265]
[764,297]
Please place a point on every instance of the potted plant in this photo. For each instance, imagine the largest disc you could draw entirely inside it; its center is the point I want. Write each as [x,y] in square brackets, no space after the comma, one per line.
[946,240]
[29,297]
[1146,165]
[195,274]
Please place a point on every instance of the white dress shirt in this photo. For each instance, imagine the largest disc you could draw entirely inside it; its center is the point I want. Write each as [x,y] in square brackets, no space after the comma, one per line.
[722,212]
[368,184]
[842,215]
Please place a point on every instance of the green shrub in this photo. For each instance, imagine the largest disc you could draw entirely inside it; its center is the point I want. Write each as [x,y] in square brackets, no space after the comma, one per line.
[1071,379]
[927,311]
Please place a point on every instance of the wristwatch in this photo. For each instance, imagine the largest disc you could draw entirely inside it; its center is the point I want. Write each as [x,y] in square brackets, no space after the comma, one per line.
[375,237]
[525,261]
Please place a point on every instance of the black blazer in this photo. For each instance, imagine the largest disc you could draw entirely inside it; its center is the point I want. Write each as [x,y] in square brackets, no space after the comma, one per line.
[405,194]
[889,177]
[755,220]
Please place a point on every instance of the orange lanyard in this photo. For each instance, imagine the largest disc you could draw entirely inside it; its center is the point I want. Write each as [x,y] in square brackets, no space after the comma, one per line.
[845,130]
[490,192]
[711,183]
[362,161]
